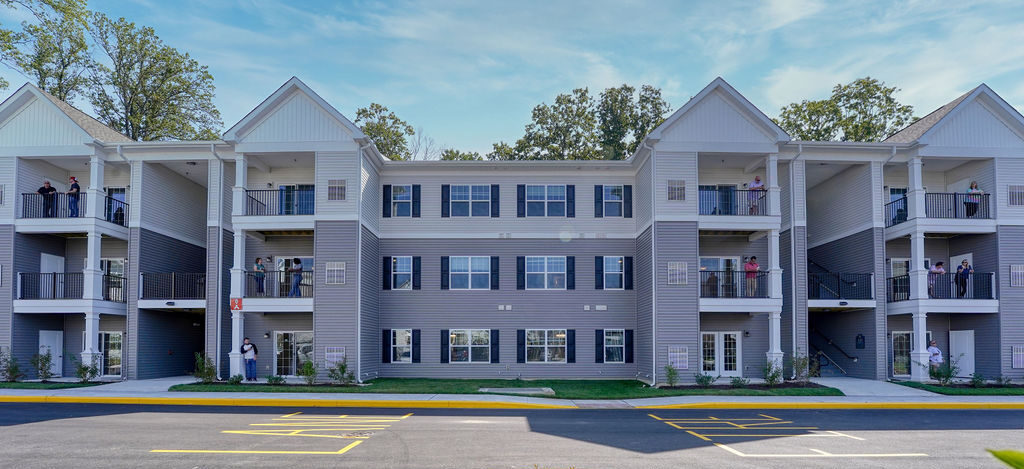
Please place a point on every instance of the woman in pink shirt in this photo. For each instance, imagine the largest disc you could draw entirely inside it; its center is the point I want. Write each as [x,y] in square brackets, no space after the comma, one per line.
[751,268]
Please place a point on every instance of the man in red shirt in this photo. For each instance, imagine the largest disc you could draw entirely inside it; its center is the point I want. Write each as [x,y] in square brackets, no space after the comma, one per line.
[751,268]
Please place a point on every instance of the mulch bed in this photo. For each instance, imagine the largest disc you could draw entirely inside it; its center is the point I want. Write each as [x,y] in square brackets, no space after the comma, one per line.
[756,386]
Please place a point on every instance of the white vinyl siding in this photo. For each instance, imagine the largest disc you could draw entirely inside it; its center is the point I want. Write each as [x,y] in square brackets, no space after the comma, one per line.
[545,273]
[676,166]
[545,345]
[469,273]
[469,345]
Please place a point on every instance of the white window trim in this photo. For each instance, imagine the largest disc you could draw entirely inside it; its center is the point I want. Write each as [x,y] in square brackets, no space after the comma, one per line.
[605,201]
[547,201]
[451,200]
[394,212]
[892,349]
[340,187]
[605,273]
[469,273]
[395,272]
[682,273]
[393,347]
[680,188]
[565,360]
[1017,275]
[623,346]
[470,346]
[1014,195]
[100,351]
[335,267]
[526,273]
[720,354]
[683,353]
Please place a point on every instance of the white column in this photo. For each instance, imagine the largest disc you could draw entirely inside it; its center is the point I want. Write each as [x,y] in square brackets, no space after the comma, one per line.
[775,338]
[774,192]
[237,334]
[92,329]
[919,355]
[94,194]
[92,281]
[241,182]
[915,189]
[918,274]
[774,268]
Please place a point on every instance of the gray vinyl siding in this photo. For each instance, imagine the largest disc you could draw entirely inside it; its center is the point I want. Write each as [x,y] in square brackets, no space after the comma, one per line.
[675,309]
[880,302]
[7,281]
[753,348]
[171,203]
[335,307]
[167,342]
[369,307]
[224,277]
[934,249]
[258,324]
[1011,299]
[74,327]
[288,246]
[842,328]
[25,343]
[27,248]
[431,309]
[735,246]
[985,252]
[644,283]
[78,248]
[786,318]
[841,205]
[853,254]
[218,294]
[160,253]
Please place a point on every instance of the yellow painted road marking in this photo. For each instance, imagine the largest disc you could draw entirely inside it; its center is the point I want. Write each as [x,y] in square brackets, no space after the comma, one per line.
[212,451]
[284,432]
[698,435]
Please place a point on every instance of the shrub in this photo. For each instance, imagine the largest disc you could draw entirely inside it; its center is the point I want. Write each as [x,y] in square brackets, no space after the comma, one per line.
[1002,381]
[308,372]
[944,373]
[274,379]
[977,380]
[236,379]
[738,382]
[804,367]
[43,363]
[205,371]
[86,373]
[339,373]
[671,375]
[705,380]
[772,374]
[10,371]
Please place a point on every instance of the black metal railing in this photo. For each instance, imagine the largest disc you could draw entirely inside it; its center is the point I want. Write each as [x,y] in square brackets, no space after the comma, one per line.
[279,202]
[734,284]
[974,286]
[897,288]
[50,286]
[115,211]
[278,284]
[839,286]
[896,212]
[115,288]
[957,205]
[56,205]
[173,286]
[733,202]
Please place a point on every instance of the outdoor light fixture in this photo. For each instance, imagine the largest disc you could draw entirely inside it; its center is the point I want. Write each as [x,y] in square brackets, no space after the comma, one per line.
[169,303]
[843,303]
[266,335]
[746,333]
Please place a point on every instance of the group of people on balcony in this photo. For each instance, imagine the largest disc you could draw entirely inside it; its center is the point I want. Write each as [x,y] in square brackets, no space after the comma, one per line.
[49,194]
[752,274]
[259,273]
[962,278]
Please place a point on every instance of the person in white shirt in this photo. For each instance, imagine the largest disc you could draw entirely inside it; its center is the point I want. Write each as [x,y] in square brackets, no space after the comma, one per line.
[934,271]
[249,352]
[756,191]
[934,356]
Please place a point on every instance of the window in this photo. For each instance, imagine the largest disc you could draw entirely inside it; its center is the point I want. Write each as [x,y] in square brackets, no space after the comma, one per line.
[470,273]
[335,189]
[401,201]
[335,273]
[676,189]
[545,346]
[545,273]
[334,356]
[472,201]
[614,346]
[545,201]
[677,273]
[401,273]
[401,346]
[1017,275]
[1016,195]
[613,201]
[613,269]
[469,345]
[679,357]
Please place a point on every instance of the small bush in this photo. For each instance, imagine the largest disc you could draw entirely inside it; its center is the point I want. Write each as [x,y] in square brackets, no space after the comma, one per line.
[772,374]
[43,363]
[671,375]
[308,372]
[86,373]
[738,382]
[205,371]
[944,373]
[977,380]
[705,380]
[339,373]
[804,367]
[274,379]
[10,371]
[1002,381]
[236,379]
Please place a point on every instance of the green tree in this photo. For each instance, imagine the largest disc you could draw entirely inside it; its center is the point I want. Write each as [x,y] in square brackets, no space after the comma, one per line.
[565,130]
[811,120]
[386,130]
[57,55]
[150,91]
[616,114]
[651,111]
[16,43]
[864,110]
[503,151]
[451,154]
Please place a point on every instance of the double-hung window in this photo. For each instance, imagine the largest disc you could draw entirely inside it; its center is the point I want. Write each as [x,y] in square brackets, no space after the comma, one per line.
[401,346]
[613,272]
[470,273]
[470,200]
[545,345]
[401,201]
[613,201]
[401,273]
[469,345]
[545,273]
[545,201]
[614,346]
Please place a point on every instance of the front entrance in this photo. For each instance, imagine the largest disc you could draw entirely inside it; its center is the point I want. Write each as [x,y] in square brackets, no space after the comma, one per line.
[291,350]
[109,344]
[902,345]
[961,350]
[53,342]
[720,353]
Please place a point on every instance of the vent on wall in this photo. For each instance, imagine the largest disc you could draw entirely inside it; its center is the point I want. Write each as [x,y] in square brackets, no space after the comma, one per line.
[679,357]
[334,355]
[1018,356]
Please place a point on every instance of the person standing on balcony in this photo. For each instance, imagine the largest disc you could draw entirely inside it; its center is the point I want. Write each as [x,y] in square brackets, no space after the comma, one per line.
[296,271]
[755,192]
[258,275]
[711,285]
[934,271]
[963,276]
[249,352]
[751,268]
[973,199]
[47,191]
[73,193]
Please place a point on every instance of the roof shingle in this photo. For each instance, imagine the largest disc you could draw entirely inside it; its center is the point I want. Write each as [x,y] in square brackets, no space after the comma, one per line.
[914,131]
[89,124]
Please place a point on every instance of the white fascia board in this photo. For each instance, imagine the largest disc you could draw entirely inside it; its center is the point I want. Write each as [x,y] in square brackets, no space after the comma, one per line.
[940,225]
[272,222]
[974,152]
[178,304]
[769,127]
[284,147]
[740,305]
[943,306]
[739,222]
[294,84]
[69,307]
[277,305]
[70,225]
[48,151]
[835,304]
[717,147]
[387,233]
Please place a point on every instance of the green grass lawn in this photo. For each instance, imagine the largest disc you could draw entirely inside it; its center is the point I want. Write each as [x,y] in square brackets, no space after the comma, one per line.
[565,389]
[958,391]
[38,385]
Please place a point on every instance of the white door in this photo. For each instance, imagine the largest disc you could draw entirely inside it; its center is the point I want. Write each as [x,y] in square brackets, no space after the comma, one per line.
[720,353]
[53,342]
[961,349]
[51,286]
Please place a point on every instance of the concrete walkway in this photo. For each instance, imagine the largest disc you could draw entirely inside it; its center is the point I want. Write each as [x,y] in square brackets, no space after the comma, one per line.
[855,387]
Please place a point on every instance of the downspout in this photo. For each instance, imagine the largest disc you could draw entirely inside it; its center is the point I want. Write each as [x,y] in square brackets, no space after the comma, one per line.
[792,243]
[220,257]
[359,273]
[654,268]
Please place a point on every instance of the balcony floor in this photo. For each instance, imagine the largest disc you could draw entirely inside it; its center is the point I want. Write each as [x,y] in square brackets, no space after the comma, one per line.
[942,306]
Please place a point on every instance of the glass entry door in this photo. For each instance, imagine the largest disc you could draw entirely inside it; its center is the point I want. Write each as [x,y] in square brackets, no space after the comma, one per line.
[291,350]
[283,264]
[109,352]
[295,199]
[723,283]
[720,353]
[902,345]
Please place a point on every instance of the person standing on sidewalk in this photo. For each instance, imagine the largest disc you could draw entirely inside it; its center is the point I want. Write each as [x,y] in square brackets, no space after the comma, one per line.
[249,352]
[934,357]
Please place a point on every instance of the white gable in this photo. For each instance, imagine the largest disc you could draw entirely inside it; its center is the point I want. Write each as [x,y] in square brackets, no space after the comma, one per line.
[39,123]
[716,119]
[974,124]
[298,119]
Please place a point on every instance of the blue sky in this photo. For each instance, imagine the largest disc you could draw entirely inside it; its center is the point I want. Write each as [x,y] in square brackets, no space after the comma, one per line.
[469,72]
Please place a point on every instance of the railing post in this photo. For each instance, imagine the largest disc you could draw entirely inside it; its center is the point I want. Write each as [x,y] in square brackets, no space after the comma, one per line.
[872,280]
[174,292]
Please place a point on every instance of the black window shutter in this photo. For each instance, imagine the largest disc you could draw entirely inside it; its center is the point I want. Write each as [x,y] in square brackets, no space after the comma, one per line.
[598,201]
[629,345]
[521,346]
[570,272]
[598,272]
[570,201]
[386,209]
[444,272]
[495,197]
[570,346]
[444,345]
[385,342]
[627,201]
[446,194]
[494,273]
[416,200]
[494,346]
[386,274]
[521,200]
[520,272]
[599,346]
[415,345]
[415,272]
[627,273]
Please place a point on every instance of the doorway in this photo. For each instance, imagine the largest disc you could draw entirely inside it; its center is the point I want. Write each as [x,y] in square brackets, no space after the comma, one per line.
[53,342]
[284,278]
[51,286]
[724,282]
[961,350]
[720,353]
[109,343]
[902,345]
[291,350]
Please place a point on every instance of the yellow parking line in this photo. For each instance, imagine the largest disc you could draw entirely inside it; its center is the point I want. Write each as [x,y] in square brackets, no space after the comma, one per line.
[212,451]
[698,435]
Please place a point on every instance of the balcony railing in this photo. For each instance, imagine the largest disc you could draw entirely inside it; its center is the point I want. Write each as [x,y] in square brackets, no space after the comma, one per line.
[115,288]
[50,286]
[279,202]
[733,202]
[896,212]
[897,288]
[975,286]
[734,284]
[173,286]
[957,205]
[57,205]
[279,284]
[839,286]
[115,211]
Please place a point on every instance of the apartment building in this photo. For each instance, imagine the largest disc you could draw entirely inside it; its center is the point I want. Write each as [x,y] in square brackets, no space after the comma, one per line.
[513,269]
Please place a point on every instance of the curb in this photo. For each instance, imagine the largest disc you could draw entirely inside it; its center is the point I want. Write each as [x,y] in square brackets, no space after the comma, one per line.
[844,405]
[270,402]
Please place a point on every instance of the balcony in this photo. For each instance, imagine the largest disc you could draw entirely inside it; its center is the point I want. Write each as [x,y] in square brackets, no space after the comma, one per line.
[840,290]
[957,205]
[172,290]
[734,284]
[896,212]
[50,286]
[64,292]
[284,201]
[115,211]
[943,212]
[947,293]
[115,288]
[727,201]
[63,213]
[56,205]
[278,291]
[976,286]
